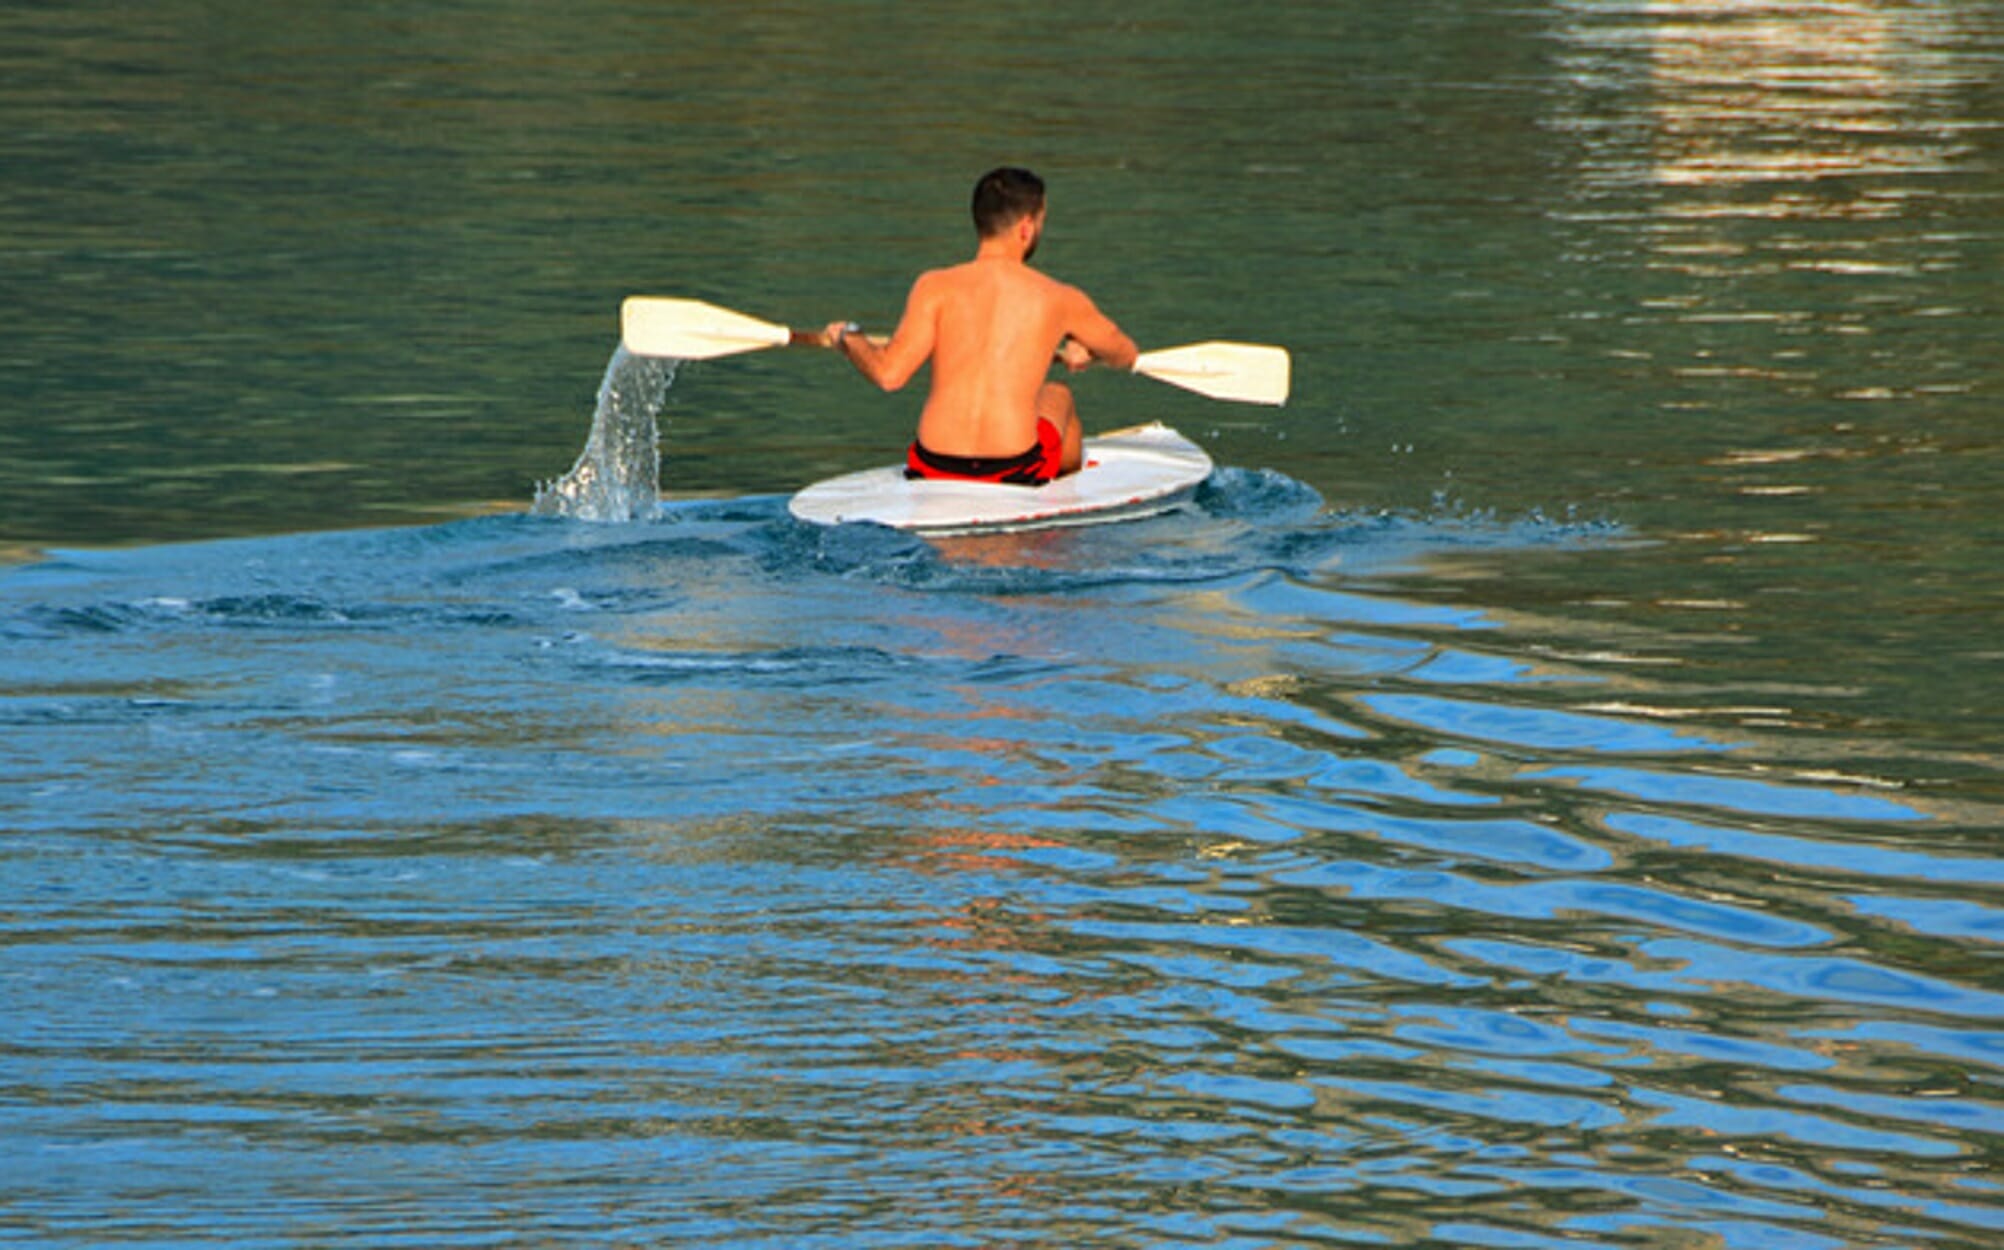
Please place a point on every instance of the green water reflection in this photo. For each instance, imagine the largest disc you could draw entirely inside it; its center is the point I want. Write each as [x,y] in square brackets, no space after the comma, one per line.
[1722,273]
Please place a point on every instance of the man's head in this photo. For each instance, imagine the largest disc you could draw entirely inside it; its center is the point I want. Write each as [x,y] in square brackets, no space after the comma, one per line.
[1004,197]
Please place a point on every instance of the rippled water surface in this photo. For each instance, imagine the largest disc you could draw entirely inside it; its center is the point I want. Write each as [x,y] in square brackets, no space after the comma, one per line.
[1543,792]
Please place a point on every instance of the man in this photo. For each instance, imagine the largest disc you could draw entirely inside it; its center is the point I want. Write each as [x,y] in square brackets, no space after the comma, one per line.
[990,327]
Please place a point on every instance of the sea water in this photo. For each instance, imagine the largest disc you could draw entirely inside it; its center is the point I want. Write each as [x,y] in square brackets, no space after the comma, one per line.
[1544,791]
[715,878]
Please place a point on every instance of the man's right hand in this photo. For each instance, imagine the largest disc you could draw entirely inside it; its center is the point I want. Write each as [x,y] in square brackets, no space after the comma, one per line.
[1074,354]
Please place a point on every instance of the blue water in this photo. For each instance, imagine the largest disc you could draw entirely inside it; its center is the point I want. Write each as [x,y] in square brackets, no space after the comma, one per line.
[715,879]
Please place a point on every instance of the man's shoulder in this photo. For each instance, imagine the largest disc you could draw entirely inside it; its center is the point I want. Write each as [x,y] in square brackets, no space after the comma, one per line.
[941,279]
[949,273]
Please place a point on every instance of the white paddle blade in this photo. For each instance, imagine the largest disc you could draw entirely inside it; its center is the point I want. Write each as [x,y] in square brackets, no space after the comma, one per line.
[1249,373]
[689,329]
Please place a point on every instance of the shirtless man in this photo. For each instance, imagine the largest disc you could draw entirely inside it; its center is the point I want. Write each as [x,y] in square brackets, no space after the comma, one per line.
[990,327]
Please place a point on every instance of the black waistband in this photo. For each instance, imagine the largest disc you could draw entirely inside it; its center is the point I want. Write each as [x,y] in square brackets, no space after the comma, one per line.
[992,468]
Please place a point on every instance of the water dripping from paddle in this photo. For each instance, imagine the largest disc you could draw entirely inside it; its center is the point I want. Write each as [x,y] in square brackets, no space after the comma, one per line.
[617,476]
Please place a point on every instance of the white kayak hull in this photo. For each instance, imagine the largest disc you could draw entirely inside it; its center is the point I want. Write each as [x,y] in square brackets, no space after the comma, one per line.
[1127,474]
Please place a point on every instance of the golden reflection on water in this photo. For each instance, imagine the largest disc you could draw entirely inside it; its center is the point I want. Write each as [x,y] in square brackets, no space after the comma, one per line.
[1774,93]
[1782,164]
[1759,91]
[1728,112]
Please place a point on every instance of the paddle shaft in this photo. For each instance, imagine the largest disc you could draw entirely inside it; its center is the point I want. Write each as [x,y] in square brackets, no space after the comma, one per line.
[1246,372]
[812,338]
[693,330]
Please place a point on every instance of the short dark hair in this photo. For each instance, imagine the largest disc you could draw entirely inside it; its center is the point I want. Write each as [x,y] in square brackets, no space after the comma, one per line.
[1005,196]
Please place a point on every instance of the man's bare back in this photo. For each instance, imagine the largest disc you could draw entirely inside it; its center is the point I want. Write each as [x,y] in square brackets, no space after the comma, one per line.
[990,328]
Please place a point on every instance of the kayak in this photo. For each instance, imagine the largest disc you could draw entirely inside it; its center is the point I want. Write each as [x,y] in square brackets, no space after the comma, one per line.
[1136,472]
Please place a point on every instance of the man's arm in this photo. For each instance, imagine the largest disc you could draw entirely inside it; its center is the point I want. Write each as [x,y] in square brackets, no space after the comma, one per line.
[893,364]
[1088,328]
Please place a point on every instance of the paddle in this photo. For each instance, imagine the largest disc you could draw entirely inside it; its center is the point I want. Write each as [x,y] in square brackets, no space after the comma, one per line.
[689,329]
[1248,373]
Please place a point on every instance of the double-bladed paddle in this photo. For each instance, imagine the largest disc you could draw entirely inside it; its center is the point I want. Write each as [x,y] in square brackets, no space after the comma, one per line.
[689,329]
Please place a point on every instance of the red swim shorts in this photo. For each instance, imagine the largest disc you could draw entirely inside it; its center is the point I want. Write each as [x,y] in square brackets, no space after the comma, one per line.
[1032,468]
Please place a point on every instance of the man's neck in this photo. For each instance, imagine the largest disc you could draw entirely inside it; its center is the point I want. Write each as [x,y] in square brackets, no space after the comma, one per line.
[1002,249]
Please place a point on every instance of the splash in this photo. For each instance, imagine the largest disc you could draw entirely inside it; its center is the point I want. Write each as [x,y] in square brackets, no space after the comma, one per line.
[618,475]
